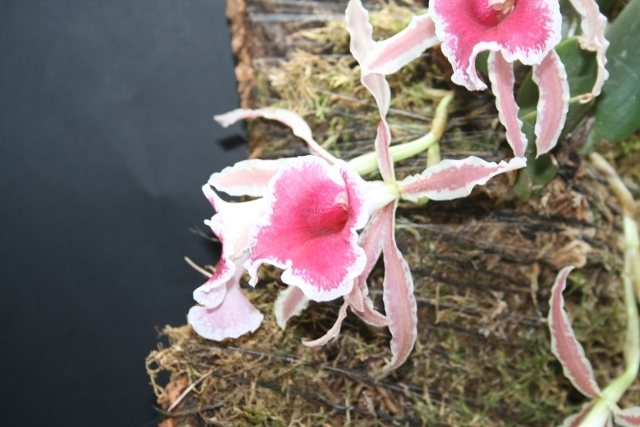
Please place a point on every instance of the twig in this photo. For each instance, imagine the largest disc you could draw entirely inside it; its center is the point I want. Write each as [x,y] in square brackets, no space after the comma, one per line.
[190,411]
[187,390]
[197,267]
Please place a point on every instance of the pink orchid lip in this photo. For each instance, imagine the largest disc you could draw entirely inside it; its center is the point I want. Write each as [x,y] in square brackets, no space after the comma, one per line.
[524,31]
[307,231]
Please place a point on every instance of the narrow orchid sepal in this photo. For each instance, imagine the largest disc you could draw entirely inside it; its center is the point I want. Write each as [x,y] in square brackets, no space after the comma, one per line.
[331,333]
[553,102]
[212,292]
[629,417]
[564,344]
[360,29]
[361,43]
[232,318]
[291,302]
[502,81]
[389,55]
[589,13]
[313,212]
[451,179]
[297,124]
[593,25]
[399,300]
[523,31]
[246,178]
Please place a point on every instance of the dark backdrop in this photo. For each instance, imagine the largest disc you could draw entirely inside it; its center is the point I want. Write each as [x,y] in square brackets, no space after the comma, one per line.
[106,137]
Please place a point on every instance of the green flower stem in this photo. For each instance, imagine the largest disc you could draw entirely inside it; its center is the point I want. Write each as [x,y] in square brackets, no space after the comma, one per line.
[614,391]
[433,155]
[368,162]
[617,387]
[629,212]
[598,415]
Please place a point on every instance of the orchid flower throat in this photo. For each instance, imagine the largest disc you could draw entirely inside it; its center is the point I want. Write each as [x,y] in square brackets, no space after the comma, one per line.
[489,13]
[503,7]
[328,219]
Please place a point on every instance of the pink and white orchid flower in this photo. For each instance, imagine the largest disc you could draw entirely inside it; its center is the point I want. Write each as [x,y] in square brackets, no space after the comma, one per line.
[577,368]
[524,30]
[305,221]
[223,311]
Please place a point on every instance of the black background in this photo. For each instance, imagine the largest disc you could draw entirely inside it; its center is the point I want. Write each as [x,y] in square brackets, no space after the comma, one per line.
[106,137]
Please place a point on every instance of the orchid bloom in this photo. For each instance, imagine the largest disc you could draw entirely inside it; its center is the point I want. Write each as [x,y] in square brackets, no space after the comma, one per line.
[564,345]
[304,220]
[524,30]
[223,311]
[314,207]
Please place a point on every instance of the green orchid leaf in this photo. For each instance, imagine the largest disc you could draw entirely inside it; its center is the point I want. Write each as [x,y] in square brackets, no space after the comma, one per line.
[617,109]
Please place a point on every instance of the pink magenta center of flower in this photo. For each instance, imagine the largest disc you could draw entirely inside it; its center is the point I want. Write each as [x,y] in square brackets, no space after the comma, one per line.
[490,13]
[328,219]
[503,7]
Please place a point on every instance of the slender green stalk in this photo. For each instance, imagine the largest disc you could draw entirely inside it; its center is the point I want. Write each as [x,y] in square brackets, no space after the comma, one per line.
[630,214]
[630,277]
[368,162]
[614,391]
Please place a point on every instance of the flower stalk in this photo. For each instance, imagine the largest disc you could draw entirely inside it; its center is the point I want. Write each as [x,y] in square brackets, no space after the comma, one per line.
[368,163]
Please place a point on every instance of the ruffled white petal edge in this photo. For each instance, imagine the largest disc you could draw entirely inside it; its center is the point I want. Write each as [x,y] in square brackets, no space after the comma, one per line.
[452,179]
